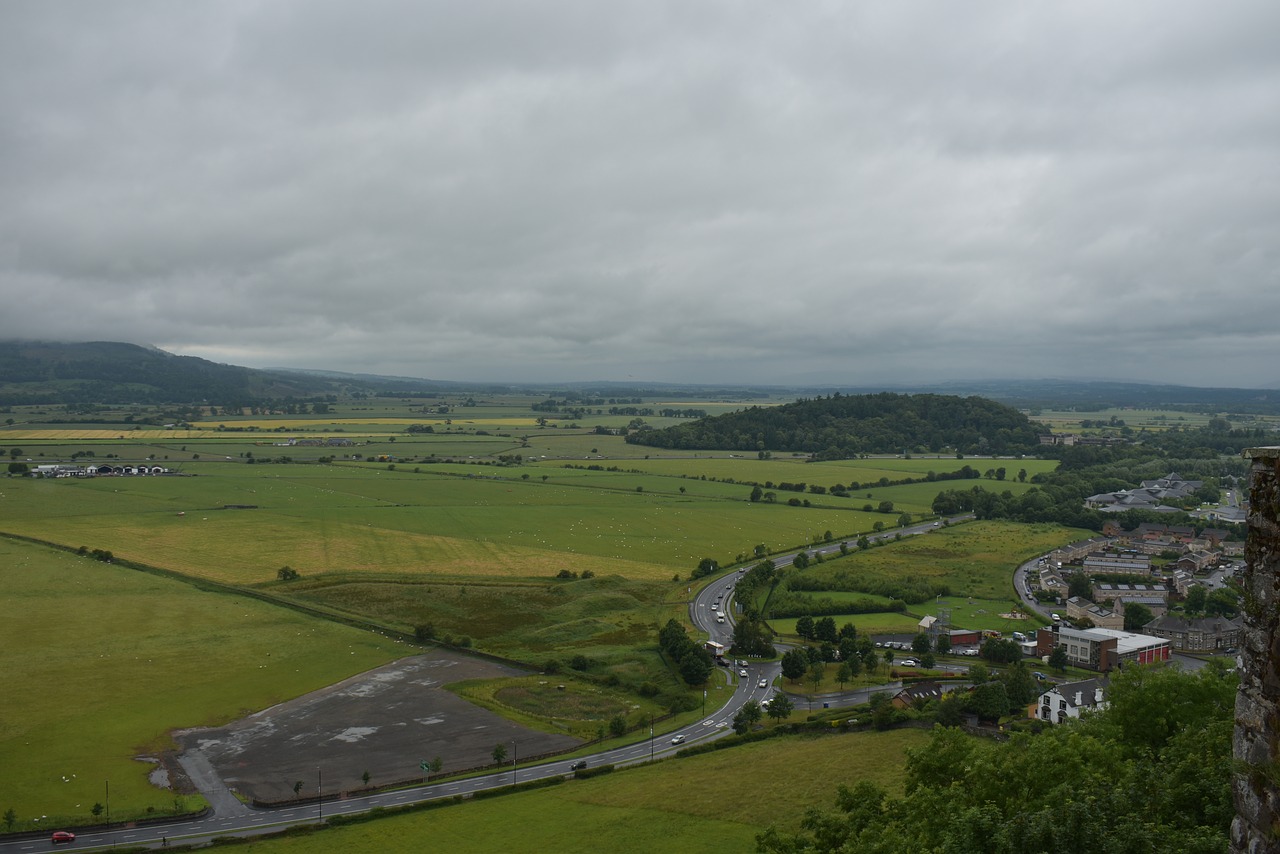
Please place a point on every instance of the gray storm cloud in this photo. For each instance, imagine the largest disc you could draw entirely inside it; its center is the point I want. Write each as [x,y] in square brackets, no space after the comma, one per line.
[715,192]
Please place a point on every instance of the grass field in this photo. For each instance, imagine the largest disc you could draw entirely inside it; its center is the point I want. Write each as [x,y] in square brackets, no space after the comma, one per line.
[559,704]
[469,547]
[709,803]
[976,559]
[321,519]
[100,663]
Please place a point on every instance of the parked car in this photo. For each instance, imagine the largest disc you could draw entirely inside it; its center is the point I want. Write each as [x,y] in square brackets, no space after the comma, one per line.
[61,836]
[679,739]
[579,765]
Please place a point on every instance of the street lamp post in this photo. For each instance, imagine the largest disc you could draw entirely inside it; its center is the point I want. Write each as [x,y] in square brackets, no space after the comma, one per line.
[107,783]
[515,761]
[320,793]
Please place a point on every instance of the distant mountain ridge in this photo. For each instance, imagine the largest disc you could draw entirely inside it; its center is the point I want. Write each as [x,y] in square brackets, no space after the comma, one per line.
[51,373]
[54,373]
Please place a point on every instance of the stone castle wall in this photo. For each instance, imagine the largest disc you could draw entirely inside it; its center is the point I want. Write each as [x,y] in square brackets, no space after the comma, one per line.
[1256,745]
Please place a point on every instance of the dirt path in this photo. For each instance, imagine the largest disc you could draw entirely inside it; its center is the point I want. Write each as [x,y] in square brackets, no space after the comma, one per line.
[384,721]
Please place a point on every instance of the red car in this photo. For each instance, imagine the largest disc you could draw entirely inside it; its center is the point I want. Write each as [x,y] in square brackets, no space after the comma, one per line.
[60,836]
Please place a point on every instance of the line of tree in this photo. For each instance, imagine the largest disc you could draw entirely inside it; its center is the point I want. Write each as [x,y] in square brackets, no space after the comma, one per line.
[692,661]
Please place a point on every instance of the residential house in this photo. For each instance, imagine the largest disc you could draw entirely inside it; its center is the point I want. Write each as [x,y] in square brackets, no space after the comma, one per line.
[919,692]
[1129,563]
[1206,634]
[1068,700]
[1194,562]
[1144,593]
[1082,609]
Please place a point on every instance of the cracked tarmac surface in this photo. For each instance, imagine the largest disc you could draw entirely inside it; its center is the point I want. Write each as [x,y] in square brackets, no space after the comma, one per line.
[384,721]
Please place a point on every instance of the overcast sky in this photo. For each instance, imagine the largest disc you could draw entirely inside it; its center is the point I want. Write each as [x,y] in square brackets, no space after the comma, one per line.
[828,193]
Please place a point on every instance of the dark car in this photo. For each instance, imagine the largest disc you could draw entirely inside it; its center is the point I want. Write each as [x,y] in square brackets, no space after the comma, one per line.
[579,765]
[60,836]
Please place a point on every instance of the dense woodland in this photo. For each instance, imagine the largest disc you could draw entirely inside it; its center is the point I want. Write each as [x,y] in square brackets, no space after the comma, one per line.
[1150,774]
[846,426]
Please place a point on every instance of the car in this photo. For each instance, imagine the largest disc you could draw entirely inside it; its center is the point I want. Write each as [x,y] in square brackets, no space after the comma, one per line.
[720,619]
[1055,617]
[579,765]
[679,739]
[764,683]
[910,662]
[61,836]
[742,672]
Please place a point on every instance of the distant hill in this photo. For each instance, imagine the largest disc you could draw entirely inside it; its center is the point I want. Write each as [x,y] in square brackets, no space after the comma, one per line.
[51,373]
[36,372]
[843,426]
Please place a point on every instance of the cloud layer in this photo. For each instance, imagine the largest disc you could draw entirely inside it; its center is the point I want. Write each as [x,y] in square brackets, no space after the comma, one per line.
[713,192]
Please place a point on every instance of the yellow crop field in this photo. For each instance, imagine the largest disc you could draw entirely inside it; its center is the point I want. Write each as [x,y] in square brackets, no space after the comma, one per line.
[100,435]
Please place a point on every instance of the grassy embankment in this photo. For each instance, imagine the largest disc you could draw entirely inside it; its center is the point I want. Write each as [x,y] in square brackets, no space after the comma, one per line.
[976,561]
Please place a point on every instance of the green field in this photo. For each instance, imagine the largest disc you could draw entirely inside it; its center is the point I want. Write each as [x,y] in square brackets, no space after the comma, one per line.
[975,559]
[101,663]
[436,533]
[487,521]
[708,803]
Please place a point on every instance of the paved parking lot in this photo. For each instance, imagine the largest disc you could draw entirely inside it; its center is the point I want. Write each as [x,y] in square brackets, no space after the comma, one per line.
[384,721]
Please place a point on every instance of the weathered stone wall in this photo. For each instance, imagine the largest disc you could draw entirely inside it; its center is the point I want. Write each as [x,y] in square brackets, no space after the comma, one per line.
[1256,786]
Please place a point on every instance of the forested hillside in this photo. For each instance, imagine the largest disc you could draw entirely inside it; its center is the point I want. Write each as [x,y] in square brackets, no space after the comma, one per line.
[843,426]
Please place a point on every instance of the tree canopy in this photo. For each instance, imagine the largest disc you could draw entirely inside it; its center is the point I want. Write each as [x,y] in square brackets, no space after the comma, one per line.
[1149,774]
[844,426]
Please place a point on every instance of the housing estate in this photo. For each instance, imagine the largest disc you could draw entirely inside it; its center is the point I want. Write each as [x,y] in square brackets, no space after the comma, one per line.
[1154,597]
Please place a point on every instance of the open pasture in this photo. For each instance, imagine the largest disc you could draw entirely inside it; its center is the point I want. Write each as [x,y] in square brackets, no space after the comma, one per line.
[101,663]
[560,704]
[975,560]
[708,803]
[531,620]
[344,519]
